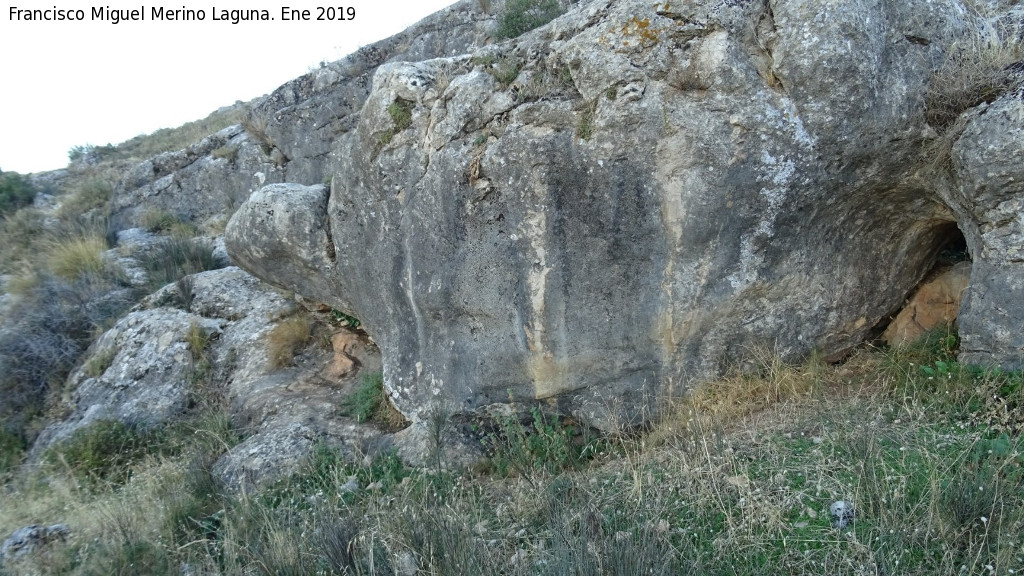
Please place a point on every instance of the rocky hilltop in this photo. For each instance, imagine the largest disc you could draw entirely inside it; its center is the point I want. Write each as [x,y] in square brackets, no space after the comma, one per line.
[591,216]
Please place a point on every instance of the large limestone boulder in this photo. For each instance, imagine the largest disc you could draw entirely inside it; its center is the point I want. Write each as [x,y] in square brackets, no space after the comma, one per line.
[633,197]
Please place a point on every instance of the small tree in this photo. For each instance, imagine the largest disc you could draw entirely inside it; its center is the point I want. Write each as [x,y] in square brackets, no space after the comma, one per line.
[15,192]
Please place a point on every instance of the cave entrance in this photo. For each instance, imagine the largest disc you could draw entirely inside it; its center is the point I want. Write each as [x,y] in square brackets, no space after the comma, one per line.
[935,301]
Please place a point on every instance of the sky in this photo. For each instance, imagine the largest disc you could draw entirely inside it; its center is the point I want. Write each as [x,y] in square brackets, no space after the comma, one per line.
[71,83]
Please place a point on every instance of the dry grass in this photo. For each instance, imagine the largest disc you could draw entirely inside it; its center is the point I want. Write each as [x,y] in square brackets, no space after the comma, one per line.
[975,71]
[287,338]
[77,257]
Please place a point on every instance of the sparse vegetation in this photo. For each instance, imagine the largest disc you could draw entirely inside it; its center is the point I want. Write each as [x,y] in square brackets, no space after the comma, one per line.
[585,126]
[101,451]
[158,220]
[255,124]
[521,16]
[976,70]
[177,257]
[162,140]
[401,114]
[228,153]
[344,320]
[100,361]
[367,399]
[504,69]
[367,403]
[91,195]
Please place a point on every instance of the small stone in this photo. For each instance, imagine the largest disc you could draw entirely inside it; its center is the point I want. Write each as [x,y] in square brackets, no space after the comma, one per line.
[842,513]
[405,564]
[350,486]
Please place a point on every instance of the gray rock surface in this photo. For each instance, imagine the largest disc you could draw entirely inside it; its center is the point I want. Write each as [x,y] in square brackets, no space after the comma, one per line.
[194,184]
[658,190]
[30,539]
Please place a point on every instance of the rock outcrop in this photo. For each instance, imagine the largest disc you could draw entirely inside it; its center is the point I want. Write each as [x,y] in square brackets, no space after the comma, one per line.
[291,134]
[632,197]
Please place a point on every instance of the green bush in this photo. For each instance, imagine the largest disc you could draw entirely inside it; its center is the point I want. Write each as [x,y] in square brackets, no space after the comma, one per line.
[401,114]
[15,192]
[12,447]
[521,16]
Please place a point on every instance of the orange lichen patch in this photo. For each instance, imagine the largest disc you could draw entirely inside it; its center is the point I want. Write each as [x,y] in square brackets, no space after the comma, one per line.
[641,28]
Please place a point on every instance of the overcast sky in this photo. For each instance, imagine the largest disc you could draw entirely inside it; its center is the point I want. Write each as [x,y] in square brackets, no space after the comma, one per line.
[70,83]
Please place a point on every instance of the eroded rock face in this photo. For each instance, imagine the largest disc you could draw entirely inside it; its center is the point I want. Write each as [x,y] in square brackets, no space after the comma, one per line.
[648,193]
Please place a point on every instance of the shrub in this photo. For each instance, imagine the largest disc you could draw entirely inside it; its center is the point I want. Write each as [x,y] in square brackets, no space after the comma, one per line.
[504,69]
[19,232]
[255,125]
[287,339]
[46,332]
[197,339]
[158,220]
[12,447]
[521,16]
[228,152]
[90,195]
[401,114]
[15,192]
[546,443]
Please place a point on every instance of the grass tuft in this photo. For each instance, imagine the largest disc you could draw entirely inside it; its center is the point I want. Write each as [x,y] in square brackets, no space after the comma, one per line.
[287,339]
[77,257]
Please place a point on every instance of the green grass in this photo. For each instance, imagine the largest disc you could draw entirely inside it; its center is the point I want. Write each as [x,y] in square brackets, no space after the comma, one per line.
[102,451]
[400,112]
[367,399]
